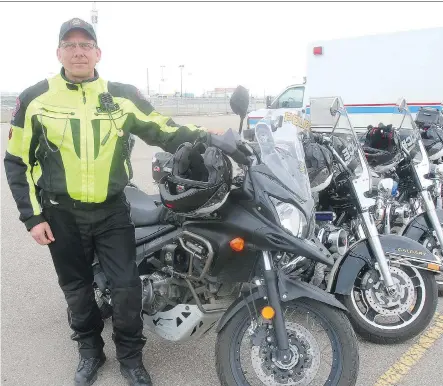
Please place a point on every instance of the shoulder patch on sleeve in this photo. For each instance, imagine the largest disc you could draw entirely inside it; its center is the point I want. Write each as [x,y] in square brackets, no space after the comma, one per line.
[16,108]
[24,99]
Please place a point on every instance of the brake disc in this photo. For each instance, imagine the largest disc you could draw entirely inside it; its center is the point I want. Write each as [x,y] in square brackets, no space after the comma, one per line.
[304,363]
[386,305]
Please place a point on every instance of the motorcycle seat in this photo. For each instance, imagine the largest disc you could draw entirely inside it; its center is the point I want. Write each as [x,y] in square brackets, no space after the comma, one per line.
[144,208]
[146,234]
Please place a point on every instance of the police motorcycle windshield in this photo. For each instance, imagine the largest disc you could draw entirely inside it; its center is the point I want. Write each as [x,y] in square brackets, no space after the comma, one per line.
[410,141]
[328,115]
[284,156]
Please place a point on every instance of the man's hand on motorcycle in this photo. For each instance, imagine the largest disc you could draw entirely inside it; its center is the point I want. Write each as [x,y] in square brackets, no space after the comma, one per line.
[42,233]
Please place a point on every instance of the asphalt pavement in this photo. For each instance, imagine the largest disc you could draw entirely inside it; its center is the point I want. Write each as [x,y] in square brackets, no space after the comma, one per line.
[36,349]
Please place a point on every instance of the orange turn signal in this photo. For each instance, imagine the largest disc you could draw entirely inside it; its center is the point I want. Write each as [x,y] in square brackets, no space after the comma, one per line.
[268,312]
[433,266]
[238,244]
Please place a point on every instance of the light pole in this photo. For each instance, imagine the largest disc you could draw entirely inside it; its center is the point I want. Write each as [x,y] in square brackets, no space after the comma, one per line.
[181,79]
[162,67]
[94,17]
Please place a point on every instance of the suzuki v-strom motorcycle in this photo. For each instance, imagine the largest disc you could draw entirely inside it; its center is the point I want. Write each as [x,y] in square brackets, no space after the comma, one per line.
[388,281]
[279,330]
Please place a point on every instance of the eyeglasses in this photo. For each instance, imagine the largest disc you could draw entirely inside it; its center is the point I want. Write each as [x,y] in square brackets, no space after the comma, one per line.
[85,46]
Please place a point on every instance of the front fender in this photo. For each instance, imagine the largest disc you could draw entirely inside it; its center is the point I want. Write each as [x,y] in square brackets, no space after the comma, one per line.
[420,225]
[289,289]
[347,268]
[238,304]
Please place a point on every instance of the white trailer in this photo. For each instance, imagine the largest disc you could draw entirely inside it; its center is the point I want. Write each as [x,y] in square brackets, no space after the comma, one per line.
[370,74]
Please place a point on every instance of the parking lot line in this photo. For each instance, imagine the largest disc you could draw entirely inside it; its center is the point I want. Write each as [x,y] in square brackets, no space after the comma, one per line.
[410,358]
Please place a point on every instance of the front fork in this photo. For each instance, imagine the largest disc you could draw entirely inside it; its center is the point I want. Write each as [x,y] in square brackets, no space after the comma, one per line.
[437,189]
[433,218]
[278,322]
[375,244]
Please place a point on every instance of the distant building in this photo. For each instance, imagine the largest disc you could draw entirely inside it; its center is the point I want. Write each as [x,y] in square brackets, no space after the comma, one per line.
[185,95]
[220,93]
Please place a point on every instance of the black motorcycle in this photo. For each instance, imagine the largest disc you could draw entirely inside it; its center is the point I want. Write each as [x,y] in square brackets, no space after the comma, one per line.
[278,330]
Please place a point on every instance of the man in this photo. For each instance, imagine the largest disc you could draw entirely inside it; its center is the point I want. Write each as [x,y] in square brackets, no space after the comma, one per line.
[67,164]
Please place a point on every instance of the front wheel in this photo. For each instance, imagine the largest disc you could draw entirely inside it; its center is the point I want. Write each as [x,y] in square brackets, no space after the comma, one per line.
[381,318]
[322,343]
[430,242]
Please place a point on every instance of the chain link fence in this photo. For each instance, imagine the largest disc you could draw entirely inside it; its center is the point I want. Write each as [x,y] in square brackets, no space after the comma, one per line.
[199,106]
[171,106]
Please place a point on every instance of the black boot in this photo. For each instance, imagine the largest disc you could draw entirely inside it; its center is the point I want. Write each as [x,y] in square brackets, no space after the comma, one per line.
[137,376]
[87,369]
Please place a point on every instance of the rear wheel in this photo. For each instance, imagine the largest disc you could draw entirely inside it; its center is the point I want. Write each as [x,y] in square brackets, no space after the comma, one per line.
[323,346]
[381,318]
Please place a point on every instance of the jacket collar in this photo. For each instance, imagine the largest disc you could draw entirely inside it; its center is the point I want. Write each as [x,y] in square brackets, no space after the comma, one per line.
[74,85]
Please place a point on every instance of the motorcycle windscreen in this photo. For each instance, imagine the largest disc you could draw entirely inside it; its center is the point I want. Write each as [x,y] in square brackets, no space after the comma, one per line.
[282,152]
[428,116]
[410,140]
[329,115]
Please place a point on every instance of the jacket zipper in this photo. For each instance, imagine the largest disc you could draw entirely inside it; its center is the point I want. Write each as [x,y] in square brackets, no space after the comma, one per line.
[86,133]
[50,174]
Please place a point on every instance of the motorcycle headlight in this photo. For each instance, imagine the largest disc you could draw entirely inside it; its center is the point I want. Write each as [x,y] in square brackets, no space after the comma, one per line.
[291,219]
[388,187]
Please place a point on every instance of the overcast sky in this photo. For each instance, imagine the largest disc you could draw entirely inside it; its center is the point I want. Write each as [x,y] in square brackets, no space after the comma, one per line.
[260,45]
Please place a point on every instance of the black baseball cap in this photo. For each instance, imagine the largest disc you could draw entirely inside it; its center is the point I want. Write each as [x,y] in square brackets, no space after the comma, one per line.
[76,23]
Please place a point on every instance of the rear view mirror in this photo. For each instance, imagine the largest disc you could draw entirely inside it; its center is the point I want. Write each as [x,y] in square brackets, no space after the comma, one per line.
[401,104]
[335,107]
[268,102]
[276,123]
[240,101]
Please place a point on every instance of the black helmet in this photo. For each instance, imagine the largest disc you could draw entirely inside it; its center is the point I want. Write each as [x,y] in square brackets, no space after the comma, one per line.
[381,147]
[318,164]
[428,117]
[198,184]
[382,138]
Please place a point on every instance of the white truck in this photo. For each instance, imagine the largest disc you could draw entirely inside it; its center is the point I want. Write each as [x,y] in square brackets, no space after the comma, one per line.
[370,74]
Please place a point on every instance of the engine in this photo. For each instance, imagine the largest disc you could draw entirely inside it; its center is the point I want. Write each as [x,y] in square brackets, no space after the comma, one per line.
[292,265]
[159,292]
[188,259]
[401,215]
[396,214]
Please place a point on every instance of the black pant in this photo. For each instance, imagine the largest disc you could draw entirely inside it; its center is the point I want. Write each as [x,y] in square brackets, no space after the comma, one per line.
[106,230]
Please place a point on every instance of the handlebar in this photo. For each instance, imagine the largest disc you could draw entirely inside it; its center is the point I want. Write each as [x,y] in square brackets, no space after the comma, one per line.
[230,144]
[321,139]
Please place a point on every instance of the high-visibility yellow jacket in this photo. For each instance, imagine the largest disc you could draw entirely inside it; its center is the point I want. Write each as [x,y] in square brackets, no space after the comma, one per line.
[63,142]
